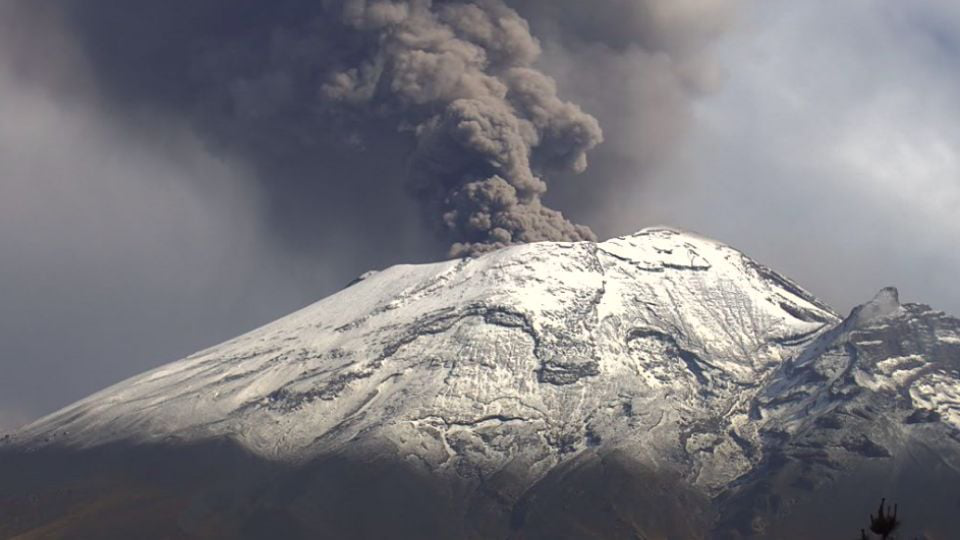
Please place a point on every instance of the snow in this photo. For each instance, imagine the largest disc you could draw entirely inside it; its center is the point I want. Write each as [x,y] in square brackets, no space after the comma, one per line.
[941,393]
[663,343]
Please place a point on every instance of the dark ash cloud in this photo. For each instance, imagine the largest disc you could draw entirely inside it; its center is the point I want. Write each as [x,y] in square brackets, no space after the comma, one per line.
[459,77]
[452,98]
[455,83]
[175,173]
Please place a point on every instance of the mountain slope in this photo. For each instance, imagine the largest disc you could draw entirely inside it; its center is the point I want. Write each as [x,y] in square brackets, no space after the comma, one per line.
[663,384]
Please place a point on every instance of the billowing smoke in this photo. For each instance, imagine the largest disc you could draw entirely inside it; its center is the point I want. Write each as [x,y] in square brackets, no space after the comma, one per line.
[487,124]
[655,59]
[286,80]
[349,103]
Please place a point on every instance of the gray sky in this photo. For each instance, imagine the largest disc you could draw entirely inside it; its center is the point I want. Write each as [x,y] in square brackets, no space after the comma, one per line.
[832,149]
[138,223]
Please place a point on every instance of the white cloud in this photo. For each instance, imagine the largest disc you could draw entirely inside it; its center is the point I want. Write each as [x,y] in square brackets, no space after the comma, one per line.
[831,152]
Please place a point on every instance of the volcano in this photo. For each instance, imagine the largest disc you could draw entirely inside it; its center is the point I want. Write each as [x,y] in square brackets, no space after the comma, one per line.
[657,385]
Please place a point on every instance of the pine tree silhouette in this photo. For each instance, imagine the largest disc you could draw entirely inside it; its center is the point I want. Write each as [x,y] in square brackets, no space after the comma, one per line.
[884,523]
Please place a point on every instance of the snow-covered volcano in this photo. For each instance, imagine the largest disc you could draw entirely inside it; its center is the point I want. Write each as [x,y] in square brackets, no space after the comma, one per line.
[502,374]
[555,347]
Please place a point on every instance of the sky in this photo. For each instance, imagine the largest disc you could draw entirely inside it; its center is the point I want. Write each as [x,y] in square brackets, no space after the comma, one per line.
[174,174]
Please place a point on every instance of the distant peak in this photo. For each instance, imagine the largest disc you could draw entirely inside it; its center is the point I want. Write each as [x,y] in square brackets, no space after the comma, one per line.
[884,304]
[887,294]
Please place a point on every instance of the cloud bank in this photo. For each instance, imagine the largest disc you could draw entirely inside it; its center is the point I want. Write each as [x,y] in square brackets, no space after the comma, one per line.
[831,150]
[125,242]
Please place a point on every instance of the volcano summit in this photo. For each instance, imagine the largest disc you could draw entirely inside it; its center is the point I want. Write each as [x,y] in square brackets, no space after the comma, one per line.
[658,385]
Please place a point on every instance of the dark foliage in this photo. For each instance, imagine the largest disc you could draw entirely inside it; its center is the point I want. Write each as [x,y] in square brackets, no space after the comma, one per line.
[884,523]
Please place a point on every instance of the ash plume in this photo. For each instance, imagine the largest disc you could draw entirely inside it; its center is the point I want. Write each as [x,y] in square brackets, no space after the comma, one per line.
[486,123]
[656,59]
[345,104]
